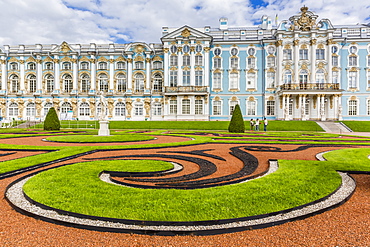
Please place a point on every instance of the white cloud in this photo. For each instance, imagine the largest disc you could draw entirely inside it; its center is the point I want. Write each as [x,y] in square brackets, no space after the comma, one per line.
[106,21]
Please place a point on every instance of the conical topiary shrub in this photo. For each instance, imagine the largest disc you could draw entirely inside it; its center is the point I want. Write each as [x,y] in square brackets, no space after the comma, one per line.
[237,123]
[51,120]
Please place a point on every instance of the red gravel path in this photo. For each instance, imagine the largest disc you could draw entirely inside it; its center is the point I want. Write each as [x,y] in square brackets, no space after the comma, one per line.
[347,225]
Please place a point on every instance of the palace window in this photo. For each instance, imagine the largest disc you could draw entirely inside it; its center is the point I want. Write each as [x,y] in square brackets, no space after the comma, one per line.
[368,107]
[307,107]
[157,83]
[216,80]
[186,49]
[157,109]
[32,83]
[352,107]
[353,49]
[185,106]
[173,49]
[14,81]
[173,78]
[320,76]
[49,66]
[186,60]
[173,106]
[287,77]
[251,51]
[334,61]
[368,79]
[139,82]
[271,50]
[232,107]
[303,54]
[139,65]
[251,62]
[13,109]
[67,82]
[65,108]
[198,48]
[120,109]
[352,61]
[270,108]
[251,80]
[251,108]
[85,83]
[234,84]
[303,76]
[84,66]
[217,52]
[13,66]
[186,78]
[121,65]
[138,110]
[234,51]
[84,109]
[66,66]
[217,107]
[157,65]
[320,54]
[270,79]
[47,107]
[335,77]
[31,66]
[30,110]
[287,54]
[103,65]
[198,60]
[103,82]
[271,61]
[173,60]
[352,79]
[198,78]
[121,82]
[234,62]
[368,61]
[198,107]
[217,63]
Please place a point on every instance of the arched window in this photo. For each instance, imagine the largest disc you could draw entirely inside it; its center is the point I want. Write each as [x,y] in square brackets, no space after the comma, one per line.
[251,107]
[157,65]
[216,80]
[66,66]
[173,106]
[30,109]
[139,82]
[13,66]
[186,106]
[157,83]
[13,109]
[49,83]
[67,83]
[121,83]
[14,81]
[84,66]
[84,109]
[103,65]
[287,77]
[32,83]
[139,65]
[47,107]
[66,107]
[234,80]
[103,82]
[31,66]
[320,76]
[120,109]
[49,66]
[85,83]
[157,109]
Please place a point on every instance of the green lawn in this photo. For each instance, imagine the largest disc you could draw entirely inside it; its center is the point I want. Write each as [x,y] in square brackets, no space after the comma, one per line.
[358,126]
[95,138]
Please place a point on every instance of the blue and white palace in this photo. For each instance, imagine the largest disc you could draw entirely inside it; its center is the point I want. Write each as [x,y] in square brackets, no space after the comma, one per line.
[305,68]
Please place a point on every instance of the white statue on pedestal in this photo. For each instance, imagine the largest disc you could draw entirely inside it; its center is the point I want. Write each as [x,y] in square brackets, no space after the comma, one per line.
[103,122]
[103,104]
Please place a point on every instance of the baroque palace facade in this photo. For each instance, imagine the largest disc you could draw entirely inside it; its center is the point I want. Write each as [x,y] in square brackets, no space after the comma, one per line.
[302,69]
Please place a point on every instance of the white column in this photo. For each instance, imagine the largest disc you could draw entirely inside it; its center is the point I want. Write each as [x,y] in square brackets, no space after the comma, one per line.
[296,59]
[330,65]
[75,74]
[129,73]
[318,106]
[111,73]
[148,70]
[93,72]
[179,64]
[206,67]
[303,106]
[22,85]
[39,75]
[279,63]
[4,76]
[313,60]
[56,73]
[192,64]
[166,64]
[335,107]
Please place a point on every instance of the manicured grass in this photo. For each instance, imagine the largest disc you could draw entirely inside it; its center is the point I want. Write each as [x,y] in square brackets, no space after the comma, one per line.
[90,138]
[358,126]
[77,188]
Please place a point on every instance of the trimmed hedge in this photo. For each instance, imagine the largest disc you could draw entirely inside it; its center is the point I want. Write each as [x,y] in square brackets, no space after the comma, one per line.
[237,123]
[51,120]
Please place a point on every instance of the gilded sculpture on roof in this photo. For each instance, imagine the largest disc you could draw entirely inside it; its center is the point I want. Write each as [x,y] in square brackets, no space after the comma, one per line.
[306,21]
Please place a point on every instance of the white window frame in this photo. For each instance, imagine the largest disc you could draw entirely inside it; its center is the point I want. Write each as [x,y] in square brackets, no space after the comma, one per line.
[217,107]
[353,107]
[185,106]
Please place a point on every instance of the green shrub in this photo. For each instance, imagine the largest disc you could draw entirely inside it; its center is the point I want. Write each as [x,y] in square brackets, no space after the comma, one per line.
[237,123]
[51,120]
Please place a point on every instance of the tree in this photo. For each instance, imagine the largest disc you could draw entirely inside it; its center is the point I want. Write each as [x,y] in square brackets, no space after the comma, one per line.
[51,120]
[237,123]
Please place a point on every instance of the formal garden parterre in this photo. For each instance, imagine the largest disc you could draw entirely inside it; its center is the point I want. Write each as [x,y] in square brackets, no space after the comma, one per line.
[206,186]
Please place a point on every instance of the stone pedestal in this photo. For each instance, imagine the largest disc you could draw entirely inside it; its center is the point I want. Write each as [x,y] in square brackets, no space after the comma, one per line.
[104,128]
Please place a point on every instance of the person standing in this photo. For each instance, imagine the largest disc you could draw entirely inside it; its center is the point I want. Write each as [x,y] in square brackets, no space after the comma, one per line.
[251,123]
[265,123]
[257,124]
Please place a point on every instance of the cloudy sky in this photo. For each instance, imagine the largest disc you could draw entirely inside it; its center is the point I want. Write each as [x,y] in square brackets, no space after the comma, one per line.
[123,21]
